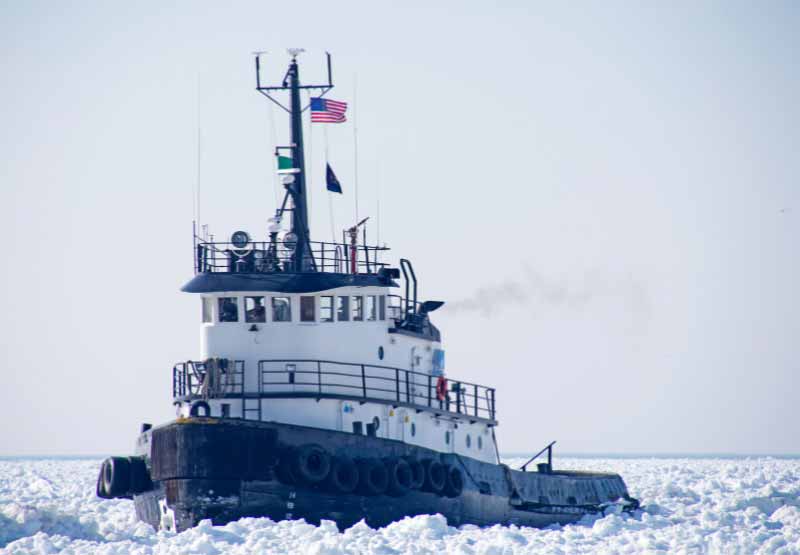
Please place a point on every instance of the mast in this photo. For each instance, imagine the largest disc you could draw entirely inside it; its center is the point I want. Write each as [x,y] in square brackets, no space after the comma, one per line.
[303,257]
[300,212]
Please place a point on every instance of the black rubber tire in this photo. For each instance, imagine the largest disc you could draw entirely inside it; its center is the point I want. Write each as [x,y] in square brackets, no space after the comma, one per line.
[312,464]
[140,477]
[343,477]
[197,405]
[435,476]
[373,478]
[454,484]
[417,473]
[400,477]
[117,476]
[101,488]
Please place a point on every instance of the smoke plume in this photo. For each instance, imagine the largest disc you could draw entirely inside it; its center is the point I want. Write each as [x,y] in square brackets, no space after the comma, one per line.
[533,288]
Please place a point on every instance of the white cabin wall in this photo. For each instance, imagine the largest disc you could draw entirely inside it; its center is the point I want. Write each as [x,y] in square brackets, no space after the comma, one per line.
[353,342]
[356,342]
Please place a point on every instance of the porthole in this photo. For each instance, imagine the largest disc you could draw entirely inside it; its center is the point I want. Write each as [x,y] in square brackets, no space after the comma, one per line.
[480,442]
[413,429]
[447,438]
[380,352]
[376,422]
[469,441]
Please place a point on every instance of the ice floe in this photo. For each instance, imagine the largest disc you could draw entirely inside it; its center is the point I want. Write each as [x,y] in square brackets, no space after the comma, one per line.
[724,506]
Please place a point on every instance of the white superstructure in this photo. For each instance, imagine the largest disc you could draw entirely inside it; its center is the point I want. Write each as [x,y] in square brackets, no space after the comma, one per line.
[319,342]
[313,333]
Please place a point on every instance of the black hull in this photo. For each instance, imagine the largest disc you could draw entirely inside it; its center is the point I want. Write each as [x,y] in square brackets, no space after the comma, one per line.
[224,470]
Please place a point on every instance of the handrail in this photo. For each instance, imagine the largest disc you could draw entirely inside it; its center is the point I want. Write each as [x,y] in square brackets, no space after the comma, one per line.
[192,378]
[337,380]
[268,257]
[549,450]
[373,382]
[323,361]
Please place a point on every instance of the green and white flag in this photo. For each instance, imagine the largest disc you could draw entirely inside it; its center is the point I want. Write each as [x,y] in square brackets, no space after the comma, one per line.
[286,165]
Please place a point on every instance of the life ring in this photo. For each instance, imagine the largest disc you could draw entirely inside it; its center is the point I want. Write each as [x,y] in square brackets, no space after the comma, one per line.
[441,388]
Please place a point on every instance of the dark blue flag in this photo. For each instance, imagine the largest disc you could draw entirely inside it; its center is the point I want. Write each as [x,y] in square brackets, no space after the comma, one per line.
[330,179]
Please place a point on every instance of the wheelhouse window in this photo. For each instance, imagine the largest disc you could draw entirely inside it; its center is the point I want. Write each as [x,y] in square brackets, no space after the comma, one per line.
[343,309]
[382,308]
[254,310]
[372,308]
[228,309]
[207,308]
[357,304]
[281,309]
[326,309]
[308,311]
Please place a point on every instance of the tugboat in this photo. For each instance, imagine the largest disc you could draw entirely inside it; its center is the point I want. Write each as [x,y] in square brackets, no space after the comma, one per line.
[321,393]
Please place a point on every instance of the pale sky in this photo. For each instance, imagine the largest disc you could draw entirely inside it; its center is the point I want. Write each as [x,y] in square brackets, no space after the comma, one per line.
[605,193]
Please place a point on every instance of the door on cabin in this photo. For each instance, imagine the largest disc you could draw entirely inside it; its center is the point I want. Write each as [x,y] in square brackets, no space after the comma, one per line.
[451,439]
[400,424]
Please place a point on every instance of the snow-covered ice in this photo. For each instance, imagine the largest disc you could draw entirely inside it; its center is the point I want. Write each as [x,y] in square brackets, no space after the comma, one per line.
[689,506]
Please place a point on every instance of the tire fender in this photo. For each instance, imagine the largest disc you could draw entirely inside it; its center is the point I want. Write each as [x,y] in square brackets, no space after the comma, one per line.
[312,464]
[454,482]
[373,477]
[116,477]
[198,406]
[435,476]
[140,478]
[417,473]
[400,476]
[343,477]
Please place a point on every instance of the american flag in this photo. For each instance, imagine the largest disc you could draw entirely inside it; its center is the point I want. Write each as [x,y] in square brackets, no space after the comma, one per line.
[325,110]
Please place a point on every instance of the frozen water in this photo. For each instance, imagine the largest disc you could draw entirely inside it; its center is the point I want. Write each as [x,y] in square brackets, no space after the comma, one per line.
[689,506]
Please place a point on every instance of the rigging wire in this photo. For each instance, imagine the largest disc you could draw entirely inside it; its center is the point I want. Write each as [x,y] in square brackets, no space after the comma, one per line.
[309,165]
[330,194]
[273,136]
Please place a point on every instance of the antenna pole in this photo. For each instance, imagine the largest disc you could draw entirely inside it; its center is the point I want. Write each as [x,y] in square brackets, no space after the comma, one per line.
[199,156]
[355,138]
